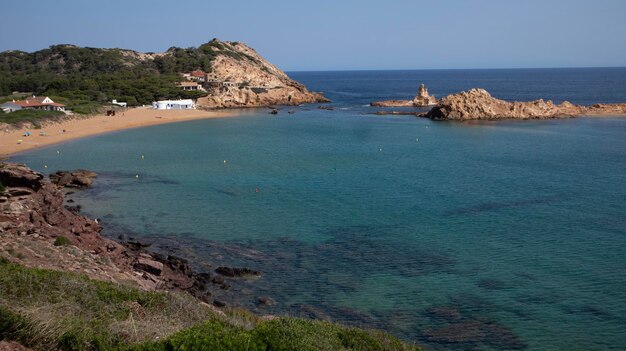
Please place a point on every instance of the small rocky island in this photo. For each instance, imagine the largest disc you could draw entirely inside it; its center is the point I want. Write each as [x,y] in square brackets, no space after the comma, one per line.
[478,104]
[422,99]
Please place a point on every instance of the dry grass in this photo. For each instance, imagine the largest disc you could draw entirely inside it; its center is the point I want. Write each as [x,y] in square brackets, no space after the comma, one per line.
[51,310]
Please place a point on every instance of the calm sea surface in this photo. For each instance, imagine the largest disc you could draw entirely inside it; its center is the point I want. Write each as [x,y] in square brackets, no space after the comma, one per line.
[491,235]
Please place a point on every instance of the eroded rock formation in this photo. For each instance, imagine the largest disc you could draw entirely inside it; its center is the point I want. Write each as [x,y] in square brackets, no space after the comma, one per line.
[479,104]
[240,77]
[422,99]
[79,178]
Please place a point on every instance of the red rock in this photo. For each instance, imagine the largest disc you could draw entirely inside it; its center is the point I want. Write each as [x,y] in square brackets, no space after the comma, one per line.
[148,265]
[479,104]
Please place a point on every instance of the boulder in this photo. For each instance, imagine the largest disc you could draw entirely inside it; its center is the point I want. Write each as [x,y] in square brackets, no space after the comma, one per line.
[79,178]
[15,175]
[149,266]
[179,264]
[15,192]
[218,303]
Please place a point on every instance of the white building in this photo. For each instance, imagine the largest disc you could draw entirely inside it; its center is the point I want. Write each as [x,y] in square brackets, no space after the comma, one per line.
[174,105]
[193,86]
[115,102]
[32,103]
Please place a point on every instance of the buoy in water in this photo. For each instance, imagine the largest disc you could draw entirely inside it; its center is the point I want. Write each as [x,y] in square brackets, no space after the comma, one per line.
[381,150]
[224,161]
[142,157]
[58,152]
[45,166]
[257,190]
[137,176]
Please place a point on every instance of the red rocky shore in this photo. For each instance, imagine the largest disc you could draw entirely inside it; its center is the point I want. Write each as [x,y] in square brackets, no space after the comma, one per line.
[34,216]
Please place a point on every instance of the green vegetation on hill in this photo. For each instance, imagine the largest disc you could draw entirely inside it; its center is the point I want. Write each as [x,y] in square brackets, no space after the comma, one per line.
[49,310]
[80,75]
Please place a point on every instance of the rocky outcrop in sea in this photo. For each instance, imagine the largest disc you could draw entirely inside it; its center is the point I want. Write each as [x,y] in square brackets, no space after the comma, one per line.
[478,104]
[422,99]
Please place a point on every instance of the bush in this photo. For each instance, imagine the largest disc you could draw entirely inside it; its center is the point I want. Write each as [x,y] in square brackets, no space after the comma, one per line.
[62,241]
[31,116]
[51,310]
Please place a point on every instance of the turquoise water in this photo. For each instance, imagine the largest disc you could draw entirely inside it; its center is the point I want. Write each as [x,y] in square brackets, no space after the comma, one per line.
[505,235]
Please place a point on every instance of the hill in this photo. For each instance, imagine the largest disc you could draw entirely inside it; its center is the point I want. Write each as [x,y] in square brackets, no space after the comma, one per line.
[79,75]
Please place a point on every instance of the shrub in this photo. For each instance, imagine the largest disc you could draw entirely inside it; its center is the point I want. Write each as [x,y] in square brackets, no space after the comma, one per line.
[62,241]
[32,116]
[51,310]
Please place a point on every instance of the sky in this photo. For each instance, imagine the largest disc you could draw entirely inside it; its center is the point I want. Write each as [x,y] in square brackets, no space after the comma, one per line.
[339,35]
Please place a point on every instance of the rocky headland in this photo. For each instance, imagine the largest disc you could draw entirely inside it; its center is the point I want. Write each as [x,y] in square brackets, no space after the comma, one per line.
[477,104]
[242,78]
[422,99]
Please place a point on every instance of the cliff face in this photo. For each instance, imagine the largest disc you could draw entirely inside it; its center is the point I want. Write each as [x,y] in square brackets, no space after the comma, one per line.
[240,77]
[479,104]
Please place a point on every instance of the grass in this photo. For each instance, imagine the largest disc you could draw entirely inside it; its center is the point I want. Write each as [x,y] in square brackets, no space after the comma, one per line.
[49,310]
[29,116]
[62,241]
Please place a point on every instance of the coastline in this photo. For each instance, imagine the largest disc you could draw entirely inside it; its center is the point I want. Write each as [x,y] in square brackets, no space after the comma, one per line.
[99,124]
[120,295]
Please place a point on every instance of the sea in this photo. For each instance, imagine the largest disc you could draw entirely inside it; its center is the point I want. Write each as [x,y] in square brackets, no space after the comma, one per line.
[490,235]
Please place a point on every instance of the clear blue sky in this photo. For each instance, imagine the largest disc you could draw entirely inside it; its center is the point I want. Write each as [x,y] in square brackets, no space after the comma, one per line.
[340,35]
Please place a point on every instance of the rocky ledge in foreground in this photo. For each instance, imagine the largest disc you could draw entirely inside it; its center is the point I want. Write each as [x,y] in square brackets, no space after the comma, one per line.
[479,104]
[38,230]
[422,99]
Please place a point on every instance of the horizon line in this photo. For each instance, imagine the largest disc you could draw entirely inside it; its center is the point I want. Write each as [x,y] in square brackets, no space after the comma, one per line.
[447,69]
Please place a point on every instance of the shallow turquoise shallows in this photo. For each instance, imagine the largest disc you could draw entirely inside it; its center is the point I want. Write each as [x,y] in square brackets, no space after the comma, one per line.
[505,235]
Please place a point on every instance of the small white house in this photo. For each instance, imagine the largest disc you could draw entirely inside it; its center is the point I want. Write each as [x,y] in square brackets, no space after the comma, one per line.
[174,105]
[115,102]
[32,103]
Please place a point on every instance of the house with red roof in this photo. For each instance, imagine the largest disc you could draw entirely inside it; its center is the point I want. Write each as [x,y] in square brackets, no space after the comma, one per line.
[32,103]
[198,76]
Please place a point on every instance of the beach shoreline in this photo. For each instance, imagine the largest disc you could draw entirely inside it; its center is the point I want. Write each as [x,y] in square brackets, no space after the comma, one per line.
[58,132]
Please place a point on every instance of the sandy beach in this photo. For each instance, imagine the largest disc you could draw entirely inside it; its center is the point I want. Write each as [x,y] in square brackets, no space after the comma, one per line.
[57,132]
